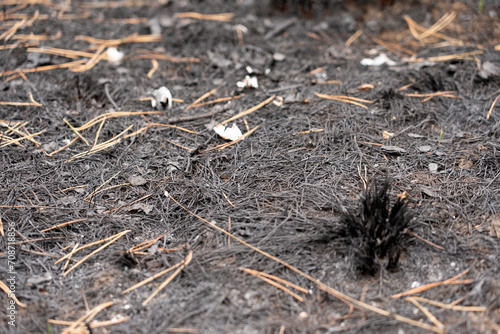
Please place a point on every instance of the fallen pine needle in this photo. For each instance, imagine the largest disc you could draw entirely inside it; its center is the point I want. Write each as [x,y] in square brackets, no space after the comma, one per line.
[128,204]
[348,99]
[88,245]
[491,108]
[273,283]
[152,278]
[118,236]
[308,131]
[72,54]
[134,38]
[154,67]
[429,286]
[64,224]
[320,285]
[17,140]
[102,185]
[450,307]
[171,277]
[70,255]
[144,244]
[201,98]
[222,99]
[424,240]
[255,272]
[353,37]
[111,142]
[227,199]
[62,148]
[85,319]
[179,145]
[424,310]
[93,324]
[99,118]
[43,68]
[224,17]
[19,104]
[173,127]
[248,111]
[6,289]
[76,132]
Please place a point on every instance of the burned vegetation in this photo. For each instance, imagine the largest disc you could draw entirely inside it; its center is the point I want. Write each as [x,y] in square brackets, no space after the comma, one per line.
[195,166]
[376,232]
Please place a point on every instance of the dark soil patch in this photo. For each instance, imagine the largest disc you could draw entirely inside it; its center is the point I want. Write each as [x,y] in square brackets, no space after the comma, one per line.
[284,189]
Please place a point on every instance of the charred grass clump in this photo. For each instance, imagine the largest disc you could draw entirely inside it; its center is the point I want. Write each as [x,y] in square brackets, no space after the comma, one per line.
[377,231]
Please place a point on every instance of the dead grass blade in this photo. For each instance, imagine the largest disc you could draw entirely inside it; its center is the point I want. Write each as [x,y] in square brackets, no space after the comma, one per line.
[320,285]
[6,289]
[171,277]
[429,286]
[224,17]
[118,236]
[248,111]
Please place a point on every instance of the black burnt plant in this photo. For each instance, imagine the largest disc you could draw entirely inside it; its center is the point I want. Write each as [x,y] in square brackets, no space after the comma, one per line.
[377,231]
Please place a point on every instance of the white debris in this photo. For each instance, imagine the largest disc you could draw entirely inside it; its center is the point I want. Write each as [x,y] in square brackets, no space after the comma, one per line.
[248,82]
[114,56]
[161,97]
[378,61]
[228,133]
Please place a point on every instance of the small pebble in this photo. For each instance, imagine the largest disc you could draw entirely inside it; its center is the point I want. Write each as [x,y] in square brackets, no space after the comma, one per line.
[425,148]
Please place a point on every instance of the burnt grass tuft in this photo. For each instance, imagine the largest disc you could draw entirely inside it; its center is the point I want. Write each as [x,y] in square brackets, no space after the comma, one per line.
[377,231]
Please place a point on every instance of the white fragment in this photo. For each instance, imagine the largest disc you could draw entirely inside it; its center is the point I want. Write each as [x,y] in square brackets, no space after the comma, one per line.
[161,96]
[228,133]
[415,284]
[378,61]
[433,167]
[114,56]
[248,82]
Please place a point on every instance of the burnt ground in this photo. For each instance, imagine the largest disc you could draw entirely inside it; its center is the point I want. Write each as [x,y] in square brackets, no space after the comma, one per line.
[285,189]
